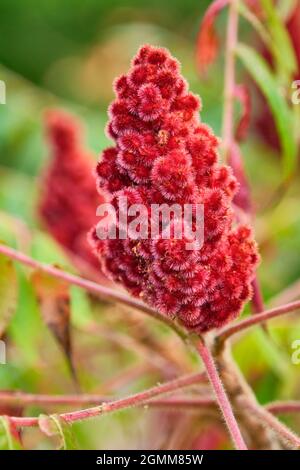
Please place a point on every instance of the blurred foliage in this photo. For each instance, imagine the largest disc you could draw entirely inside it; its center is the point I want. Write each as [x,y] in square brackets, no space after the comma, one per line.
[66,53]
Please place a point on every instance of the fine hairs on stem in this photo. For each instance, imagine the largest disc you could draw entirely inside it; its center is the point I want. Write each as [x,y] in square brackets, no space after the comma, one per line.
[122,403]
[103,292]
[142,397]
[221,397]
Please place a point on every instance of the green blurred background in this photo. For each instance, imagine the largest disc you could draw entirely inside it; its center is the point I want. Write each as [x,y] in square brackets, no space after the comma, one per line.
[66,53]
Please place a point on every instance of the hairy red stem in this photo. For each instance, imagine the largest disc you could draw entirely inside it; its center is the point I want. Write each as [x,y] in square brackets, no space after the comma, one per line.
[279,407]
[242,325]
[104,292]
[221,396]
[189,401]
[122,403]
[21,398]
[286,435]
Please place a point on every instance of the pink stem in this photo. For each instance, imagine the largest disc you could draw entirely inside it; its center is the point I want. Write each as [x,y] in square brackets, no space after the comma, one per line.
[104,292]
[24,422]
[229,85]
[281,430]
[242,325]
[122,403]
[221,396]
[279,407]
[24,399]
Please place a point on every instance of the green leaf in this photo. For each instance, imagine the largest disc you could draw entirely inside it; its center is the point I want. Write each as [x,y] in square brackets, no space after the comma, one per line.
[282,47]
[257,25]
[9,436]
[80,307]
[283,116]
[285,8]
[54,425]
[27,331]
[8,292]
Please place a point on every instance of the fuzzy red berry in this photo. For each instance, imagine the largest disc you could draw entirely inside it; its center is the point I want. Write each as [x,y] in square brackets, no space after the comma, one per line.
[163,154]
[69,198]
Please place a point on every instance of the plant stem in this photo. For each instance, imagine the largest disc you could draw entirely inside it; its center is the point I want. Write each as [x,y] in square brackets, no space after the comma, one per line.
[227,331]
[286,435]
[103,292]
[221,396]
[185,401]
[258,436]
[24,399]
[279,407]
[122,403]
[229,85]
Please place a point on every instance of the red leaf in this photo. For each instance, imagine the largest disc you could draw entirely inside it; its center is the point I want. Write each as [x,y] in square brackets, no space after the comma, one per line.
[207,41]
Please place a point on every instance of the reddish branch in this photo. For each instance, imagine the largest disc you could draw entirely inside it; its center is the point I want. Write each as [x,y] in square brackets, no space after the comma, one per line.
[114,295]
[227,331]
[103,292]
[122,403]
[282,407]
[143,397]
[184,401]
[286,435]
[221,396]
[21,398]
